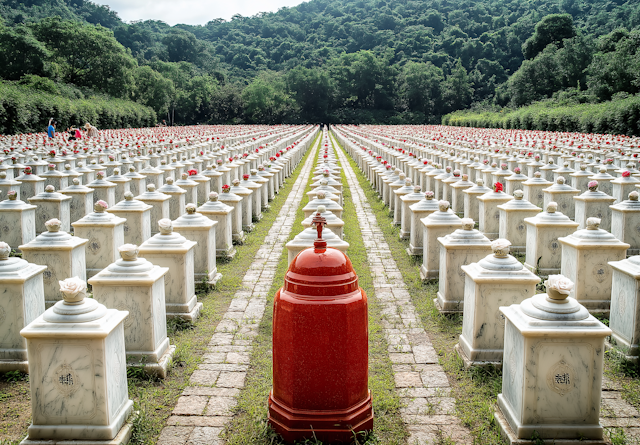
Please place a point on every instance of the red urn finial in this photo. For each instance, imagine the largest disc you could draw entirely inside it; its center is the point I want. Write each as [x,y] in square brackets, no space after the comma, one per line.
[320,221]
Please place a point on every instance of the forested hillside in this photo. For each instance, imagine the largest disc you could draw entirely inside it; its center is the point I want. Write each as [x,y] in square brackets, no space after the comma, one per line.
[331,60]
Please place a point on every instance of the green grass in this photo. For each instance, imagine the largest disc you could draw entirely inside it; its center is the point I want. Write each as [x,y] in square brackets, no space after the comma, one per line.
[249,425]
[475,391]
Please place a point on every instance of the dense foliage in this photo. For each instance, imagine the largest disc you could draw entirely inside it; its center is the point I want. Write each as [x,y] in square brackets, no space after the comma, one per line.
[333,60]
[27,108]
[620,116]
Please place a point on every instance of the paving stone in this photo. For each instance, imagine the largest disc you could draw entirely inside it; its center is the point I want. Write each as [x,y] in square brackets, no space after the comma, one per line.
[198,420]
[401,357]
[204,377]
[407,379]
[432,379]
[231,379]
[190,405]
[210,391]
[174,435]
[618,408]
[205,435]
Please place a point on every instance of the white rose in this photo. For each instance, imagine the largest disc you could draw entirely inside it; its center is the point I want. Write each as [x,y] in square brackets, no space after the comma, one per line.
[128,251]
[72,286]
[165,224]
[500,244]
[560,284]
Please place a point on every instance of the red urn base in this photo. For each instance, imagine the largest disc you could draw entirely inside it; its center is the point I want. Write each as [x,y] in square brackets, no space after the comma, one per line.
[327,426]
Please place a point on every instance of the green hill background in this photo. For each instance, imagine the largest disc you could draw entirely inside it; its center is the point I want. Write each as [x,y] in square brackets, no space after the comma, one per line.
[368,61]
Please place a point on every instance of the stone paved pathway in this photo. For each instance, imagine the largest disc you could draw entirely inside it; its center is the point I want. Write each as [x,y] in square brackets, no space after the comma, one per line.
[421,383]
[206,406]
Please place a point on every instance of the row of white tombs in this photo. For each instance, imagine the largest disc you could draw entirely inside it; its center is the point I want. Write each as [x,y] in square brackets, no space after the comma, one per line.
[144,256]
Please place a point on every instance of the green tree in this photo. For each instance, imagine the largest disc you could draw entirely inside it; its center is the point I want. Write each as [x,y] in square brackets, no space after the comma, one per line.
[553,28]
[153,90]
[182,46]
[420,87]
[312,92]
[535,79]
[266,100]
[21,53]
[87,56]
[457,91]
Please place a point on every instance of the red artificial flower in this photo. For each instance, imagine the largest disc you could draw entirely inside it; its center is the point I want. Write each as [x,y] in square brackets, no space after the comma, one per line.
[626,174]
[497,187]
[245,177]
[192,172]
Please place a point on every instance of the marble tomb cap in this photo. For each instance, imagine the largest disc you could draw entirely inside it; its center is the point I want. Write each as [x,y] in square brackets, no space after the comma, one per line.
[74,307]
[555,305]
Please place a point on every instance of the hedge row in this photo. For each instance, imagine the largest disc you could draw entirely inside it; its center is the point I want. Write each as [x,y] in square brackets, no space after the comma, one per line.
[614,117]
[26,110]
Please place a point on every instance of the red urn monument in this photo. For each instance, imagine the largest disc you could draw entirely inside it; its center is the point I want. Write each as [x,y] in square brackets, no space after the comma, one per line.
[320,349]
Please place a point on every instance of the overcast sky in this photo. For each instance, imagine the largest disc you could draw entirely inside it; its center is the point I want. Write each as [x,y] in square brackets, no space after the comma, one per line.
[192,12]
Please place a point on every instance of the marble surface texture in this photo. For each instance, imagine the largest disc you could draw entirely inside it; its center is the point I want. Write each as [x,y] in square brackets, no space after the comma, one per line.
[17,225]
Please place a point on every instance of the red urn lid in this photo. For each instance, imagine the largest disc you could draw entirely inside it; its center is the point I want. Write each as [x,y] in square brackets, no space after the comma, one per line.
[321,271]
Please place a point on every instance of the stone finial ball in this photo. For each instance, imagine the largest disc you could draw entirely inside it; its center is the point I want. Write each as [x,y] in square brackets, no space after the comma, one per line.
[633,196]
[235,182]
[443,206]
[170,180]
[76,181]
[552,207]
[537,174]
[128,196]
[151,188]
[49,189]
[560,180]
[407,182]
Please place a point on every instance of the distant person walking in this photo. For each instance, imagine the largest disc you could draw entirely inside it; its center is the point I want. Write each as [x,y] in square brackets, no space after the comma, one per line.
[51,129]
[92,132]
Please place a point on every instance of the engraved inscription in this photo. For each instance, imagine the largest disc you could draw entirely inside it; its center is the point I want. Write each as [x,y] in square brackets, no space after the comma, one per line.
[599,272]
[94,245]
[65,380]
[561,378]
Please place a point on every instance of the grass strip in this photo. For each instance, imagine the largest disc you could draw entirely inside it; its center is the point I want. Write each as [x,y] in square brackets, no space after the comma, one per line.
[249,425]
[155,399]
[476,390]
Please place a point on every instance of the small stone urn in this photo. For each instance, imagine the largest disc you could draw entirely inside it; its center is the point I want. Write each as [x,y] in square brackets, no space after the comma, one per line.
[593,203]
[159,203]
[105,232]
[51,204]
[471,203]
[22,302]
[462,247]
[197,227]
[625,222]
[421,209]
[512,216]
[552,371]
[496,280]
[624,316]
[437,224]
[77,371]
[585,257]
[63,254]
[543,250]
[173,251]
[135,285]
[17,220]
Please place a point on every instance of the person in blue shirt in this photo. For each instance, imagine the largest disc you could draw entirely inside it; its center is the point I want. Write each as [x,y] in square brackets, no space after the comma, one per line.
[51,130]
